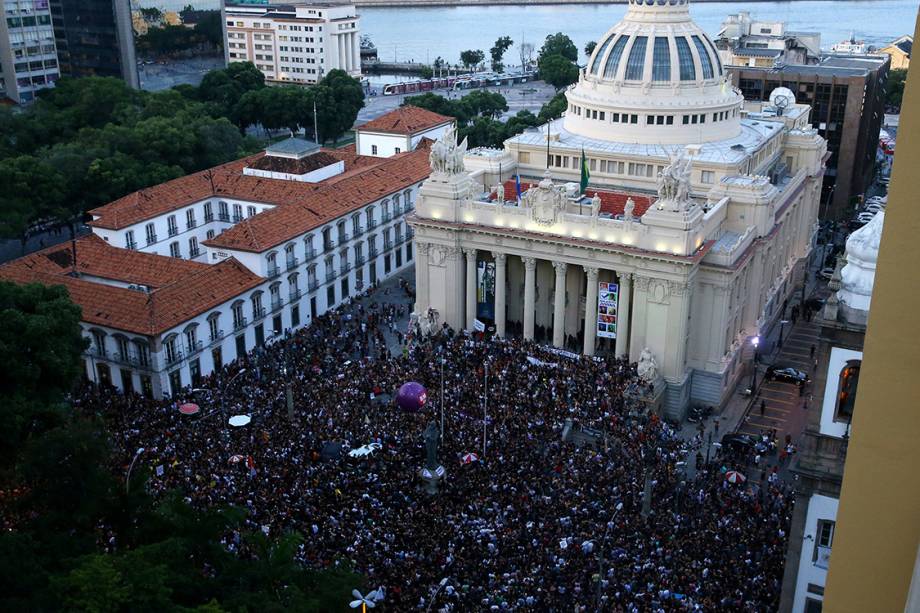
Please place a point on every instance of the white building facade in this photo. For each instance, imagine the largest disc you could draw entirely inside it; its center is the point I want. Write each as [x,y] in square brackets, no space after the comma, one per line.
[686,242]
[28,54]
[295,43]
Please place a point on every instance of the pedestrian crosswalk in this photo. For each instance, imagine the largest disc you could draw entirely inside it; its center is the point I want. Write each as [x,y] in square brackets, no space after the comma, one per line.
[778,405]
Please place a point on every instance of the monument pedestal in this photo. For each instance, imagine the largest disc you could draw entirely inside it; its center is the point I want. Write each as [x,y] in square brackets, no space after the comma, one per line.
[431,478]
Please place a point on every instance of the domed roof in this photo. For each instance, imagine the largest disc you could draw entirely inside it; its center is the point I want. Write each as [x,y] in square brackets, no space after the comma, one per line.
[655,77]
[660,31]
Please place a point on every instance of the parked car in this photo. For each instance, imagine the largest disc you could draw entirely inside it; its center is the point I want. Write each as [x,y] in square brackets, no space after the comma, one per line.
[786,374]
[734,441]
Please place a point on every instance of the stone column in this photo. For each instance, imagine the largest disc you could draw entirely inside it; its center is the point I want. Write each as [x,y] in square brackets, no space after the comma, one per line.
[530,282]
[559,305]
[500,261]
[470,287]
[421,276]
[590,311]
[341,49]
[623,315]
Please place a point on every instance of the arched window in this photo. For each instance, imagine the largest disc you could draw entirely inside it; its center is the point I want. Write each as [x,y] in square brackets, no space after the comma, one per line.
[143,352]
[192,343]
[171,349]
[214,330]
[846,390]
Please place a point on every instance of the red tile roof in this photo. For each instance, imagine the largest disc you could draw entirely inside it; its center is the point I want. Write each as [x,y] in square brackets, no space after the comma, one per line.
[180,290]
[405,120]
[611,202]
[324,201]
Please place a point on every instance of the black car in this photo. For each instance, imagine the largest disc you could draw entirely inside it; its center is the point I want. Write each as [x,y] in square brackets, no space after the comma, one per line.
[787,375]
[736,442]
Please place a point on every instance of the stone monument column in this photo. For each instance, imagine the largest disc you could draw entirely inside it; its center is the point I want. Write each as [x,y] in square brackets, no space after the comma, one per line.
[623,315]
[530,281]
[590,311]
[422,301]
[500,270]
[470,287]
[559,305]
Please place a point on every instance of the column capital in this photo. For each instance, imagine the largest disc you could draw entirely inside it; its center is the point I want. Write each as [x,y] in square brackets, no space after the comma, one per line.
[592,274]
[422,248]
[470,253]
[499,257]
[530,264]
[560,267]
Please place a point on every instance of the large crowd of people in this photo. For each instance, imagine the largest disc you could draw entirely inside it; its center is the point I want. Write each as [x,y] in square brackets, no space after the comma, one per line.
[536,523]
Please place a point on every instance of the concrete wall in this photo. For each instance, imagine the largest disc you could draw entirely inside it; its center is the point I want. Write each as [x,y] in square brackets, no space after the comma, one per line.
[819,508]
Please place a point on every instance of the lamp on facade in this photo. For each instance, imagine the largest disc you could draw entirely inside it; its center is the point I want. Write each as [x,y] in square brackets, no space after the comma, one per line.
[755,342]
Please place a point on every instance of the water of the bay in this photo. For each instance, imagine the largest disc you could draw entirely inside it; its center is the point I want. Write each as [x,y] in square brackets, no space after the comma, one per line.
[422,34]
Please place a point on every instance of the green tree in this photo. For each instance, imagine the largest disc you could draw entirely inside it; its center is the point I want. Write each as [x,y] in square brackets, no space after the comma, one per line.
[32,191]
[498,52]
[894,89]
[209,28]
[590,46]
[426,72]
[439,104]
[558,71]
[485,103]
[484,132]
[520,122]
[558,44]
[554,108]
[472,58]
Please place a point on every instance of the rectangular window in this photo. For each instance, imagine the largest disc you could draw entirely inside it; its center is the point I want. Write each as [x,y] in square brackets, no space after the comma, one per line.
[190,219]
[208,212]
[650,120]
[174,249]
[670,120]
[633,119]
[685,119]
[373,149]
[193,251]
[172,225]
[151,232]
[129,240]
[707,177]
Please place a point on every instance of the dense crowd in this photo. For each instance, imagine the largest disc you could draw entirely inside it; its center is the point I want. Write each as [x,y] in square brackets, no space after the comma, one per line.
[536,524]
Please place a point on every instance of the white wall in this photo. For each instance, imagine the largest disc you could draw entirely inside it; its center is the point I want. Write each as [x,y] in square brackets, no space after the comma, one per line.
[386,144]
[432,133]
[839,358]
[819,508]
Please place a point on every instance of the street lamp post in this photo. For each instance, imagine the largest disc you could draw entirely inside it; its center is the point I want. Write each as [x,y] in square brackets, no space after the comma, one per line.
[782,327]
[223,391]
[600,560]
[140,450]
[441,585]
[755,341]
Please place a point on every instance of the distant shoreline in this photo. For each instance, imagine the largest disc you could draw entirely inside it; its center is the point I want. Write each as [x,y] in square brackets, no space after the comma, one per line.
[383,4]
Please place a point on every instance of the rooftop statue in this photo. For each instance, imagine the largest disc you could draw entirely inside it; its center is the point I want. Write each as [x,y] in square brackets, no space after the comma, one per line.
[545,201]
[674,184]
[446,157]
[647,368]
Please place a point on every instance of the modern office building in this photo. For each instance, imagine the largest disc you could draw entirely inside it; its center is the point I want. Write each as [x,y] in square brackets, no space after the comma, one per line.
[822,450]
[874,565]
[743,41]
[691,233]
[183,277]
[95,38]
[28,57]
[294,43]
[847,96]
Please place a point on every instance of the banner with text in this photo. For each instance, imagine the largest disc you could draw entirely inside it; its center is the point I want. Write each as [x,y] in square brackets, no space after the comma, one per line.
[485,290]
[607,297]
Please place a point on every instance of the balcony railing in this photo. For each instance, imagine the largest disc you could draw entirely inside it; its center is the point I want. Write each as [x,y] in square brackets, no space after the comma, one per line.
[237,218]
[217,337]
[344,268]
[134,360]
[295,294]
[173,357]
[359,259]
[239,324]
[312,285]
[190,224]
[151,238]
[400,239]
[328,246]
[292,263]
[357,231]
[372,252]
[371,224]
[387,216]
[194,253]
[311,253]
[330,275]
[131,245]
[273,271]
[224,217]
[387,245]
[343,238]
[173,230]
[277,303]
[208,217]
[195,347]
[258,313]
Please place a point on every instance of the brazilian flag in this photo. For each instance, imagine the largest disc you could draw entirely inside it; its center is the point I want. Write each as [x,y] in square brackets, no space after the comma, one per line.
[585,174]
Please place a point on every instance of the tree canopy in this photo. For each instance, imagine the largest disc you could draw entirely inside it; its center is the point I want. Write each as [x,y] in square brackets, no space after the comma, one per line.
[559,44]
[558,71]
[77,539]
[497,52]
[894,91]
[471,58]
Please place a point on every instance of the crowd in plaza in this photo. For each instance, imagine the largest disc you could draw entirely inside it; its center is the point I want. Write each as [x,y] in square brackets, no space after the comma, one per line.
[535,524]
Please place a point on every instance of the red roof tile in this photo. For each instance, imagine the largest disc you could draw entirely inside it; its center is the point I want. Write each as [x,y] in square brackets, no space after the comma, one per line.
[181,289]
[405,120]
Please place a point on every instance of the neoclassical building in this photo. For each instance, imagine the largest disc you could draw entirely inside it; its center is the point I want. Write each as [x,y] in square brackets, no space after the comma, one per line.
[688,241]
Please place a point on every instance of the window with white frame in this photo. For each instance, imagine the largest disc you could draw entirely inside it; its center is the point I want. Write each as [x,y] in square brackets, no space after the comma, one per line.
[707,177]
[172,225]
[151,231]
[174,250]
[190,219]
[129,240]
[214,325]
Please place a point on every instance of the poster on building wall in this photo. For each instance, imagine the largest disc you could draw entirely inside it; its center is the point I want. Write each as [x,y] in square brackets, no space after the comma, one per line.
[607,298]
[485,290]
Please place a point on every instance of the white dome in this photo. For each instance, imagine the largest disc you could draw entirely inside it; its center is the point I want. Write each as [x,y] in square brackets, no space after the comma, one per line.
[660,70]
[857,278]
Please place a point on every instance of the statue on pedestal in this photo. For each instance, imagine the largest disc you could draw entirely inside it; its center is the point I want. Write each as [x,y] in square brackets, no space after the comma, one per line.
[432,471]
[674,185]
[647,369]
[628,209]
[446,157]
[500,194]
[595,206]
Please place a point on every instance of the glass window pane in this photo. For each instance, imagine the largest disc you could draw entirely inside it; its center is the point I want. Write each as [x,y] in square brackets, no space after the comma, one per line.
[661,60]
[636,62]
[685,58]
[704,57]
[595,65]
[613,62]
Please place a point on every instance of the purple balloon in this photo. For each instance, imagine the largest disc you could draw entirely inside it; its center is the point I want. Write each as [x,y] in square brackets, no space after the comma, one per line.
[411,397]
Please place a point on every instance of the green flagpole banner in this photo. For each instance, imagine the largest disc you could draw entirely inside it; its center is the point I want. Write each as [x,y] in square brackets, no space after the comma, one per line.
[585,174]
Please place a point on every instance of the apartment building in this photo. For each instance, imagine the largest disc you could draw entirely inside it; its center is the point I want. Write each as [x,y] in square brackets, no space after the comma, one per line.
[296,43]
[95,39]
[28,56]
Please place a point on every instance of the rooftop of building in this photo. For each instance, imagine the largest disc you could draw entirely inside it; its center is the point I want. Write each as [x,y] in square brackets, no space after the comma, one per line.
[729,151]
[381,175]
[172,291]
[406,120]
[829,66]
[613,203]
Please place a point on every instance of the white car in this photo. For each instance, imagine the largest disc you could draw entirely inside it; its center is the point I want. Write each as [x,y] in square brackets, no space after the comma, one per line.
[364,450]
